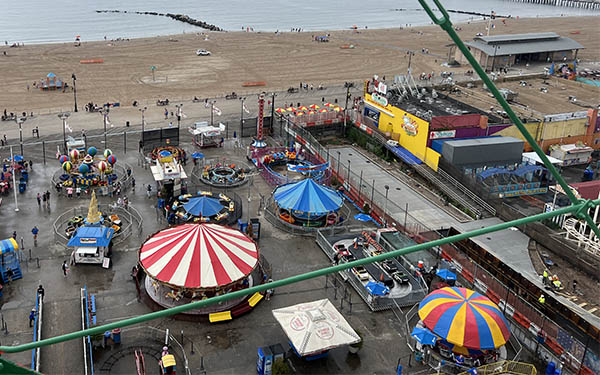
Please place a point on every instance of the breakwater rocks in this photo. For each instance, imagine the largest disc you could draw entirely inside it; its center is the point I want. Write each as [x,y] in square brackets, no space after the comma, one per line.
[454,11]
[177,17]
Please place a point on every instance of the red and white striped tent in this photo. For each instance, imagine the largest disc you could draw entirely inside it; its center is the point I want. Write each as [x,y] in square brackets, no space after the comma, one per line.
[198,256]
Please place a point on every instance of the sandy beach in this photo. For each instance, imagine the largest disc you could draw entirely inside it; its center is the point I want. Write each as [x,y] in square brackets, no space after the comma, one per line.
[281,60]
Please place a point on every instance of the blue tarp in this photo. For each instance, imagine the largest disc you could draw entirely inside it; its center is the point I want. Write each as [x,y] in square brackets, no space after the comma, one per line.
[91,236]
[363,217]
[377,289]
[197,155]
[405,155]
[446,274]
[307,196]
[424,336]
[492,172]
[203,206]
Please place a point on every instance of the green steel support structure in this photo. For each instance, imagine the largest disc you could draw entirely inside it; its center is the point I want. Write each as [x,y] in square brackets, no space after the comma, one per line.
[579,208]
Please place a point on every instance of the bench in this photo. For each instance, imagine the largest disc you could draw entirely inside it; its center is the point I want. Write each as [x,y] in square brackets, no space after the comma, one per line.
[255,299]
[219,316]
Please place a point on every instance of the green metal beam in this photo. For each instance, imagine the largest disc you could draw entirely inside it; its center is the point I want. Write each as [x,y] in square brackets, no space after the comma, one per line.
[446,25]
[288,281]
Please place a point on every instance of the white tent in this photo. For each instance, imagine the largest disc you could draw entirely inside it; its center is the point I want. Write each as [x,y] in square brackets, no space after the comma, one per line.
[314,327]
[533,158]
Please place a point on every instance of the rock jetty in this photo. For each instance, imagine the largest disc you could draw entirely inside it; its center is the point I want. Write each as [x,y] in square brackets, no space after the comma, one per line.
[178,17]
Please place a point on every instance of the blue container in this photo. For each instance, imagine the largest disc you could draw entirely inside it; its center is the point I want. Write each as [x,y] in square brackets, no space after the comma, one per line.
[116,335]
[265,361]
[242,226]
[550,368]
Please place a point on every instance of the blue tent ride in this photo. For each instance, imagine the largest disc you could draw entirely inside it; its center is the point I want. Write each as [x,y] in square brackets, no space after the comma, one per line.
[203,206]
[307,198]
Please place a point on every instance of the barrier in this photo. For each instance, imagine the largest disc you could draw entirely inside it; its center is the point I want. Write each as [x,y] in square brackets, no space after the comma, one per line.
[220,316]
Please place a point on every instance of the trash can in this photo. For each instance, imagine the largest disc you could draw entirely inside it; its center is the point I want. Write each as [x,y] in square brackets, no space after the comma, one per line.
[105,339]
[116,335]
[242,226]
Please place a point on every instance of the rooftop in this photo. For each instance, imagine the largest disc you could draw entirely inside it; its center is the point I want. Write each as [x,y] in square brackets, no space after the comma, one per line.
[514,44]
[434,105]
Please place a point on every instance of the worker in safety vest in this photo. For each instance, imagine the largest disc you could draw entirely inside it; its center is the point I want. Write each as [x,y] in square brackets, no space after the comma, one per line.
[545,275]
[542,299]
[167,364]
[557,284]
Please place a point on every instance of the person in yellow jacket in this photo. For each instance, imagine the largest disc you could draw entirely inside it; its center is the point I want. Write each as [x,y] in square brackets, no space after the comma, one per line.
[542,299]
[545,276]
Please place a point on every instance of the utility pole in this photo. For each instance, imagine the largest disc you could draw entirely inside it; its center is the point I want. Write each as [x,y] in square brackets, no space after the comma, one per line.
[63,116]
[74,78]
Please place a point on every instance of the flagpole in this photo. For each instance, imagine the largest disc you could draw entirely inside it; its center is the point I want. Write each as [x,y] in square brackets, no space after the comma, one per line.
[12,158]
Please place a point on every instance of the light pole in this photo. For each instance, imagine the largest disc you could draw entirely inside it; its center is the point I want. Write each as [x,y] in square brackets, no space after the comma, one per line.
[273,95]
[242,100]
[349,171]
[12,159]
[338,164]
[410,55]
[387,189]
[142,110]
[348,85]
[212,111]
[63,116]
[20,121]
[179,111]
[104,112]
[74,78]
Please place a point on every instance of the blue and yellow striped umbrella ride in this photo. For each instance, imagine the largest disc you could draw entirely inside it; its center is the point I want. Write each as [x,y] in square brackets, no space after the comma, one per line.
[464,318]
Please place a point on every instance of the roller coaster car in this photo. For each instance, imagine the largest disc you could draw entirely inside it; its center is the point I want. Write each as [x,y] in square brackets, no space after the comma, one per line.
[400,277]
[389,266]
[361,273]
[286,217]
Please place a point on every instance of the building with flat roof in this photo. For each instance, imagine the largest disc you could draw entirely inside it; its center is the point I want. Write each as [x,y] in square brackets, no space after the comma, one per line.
[497,51]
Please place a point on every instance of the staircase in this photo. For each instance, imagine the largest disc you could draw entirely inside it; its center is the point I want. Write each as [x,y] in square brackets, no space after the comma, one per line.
[10,260]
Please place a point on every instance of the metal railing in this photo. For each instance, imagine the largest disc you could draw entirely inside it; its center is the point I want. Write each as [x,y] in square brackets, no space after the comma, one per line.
[505,367]
[467,192]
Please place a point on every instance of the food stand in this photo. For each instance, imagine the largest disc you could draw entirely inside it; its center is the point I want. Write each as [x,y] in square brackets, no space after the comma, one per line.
[206,135]
[92,245]
[168,172]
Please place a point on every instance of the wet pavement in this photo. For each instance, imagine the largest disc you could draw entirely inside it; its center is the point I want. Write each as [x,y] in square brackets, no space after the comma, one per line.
[232,346]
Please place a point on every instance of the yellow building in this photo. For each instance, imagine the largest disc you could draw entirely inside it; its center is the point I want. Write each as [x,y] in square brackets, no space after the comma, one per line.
[408,130]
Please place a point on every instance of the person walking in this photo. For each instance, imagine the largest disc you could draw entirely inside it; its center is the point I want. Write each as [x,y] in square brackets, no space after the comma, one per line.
[32,314]
[39,199]
[48,197]
[65,268]
[149,190]
[132,183]
[35,232]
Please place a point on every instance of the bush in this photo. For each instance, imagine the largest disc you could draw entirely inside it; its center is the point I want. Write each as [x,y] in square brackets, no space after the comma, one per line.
[280,367]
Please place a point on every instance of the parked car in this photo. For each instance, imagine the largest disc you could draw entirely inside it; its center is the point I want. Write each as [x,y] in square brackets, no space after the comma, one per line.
[202,52]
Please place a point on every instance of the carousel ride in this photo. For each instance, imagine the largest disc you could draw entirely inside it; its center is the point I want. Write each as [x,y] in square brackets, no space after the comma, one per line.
[204,207]
[177,152]
[283,165]
[88,170]
[308,204]
[68,223]
[461,324]
[191,262]
[224,175]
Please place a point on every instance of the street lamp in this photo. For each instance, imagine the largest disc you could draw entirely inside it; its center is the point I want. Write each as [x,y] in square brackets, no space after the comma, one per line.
[347,85]
[63,116]
[20,121]
[273,95]
[338,164]
[387,189]
[104,113]
[179,112]
[410,55]
[12,159]
[74,78]
[242,100]
[142,110]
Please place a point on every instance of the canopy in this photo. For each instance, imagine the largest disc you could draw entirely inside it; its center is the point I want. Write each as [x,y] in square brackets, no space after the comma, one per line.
[533,157]
[464,318]
[8,245]
[18,158]
[446,274]
[51,75]
[96,236]
[377,289]
[424,336]
[198,256]
[314,327]
[203,206]
[197,155]
[307,196]
[461,349]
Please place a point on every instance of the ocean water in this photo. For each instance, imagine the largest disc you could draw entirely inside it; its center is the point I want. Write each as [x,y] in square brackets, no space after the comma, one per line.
[43,21]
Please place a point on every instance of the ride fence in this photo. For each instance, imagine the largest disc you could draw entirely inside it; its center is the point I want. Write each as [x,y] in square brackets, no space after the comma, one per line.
[525,320]
[275,179]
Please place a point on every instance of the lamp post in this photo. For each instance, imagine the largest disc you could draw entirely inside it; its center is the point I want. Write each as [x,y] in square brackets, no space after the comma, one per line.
[63,116]
[347,85]
[142,110]
[242,100]
[105,116]
[12,159]
[20,121]
[387,189]
[348,171]
[179,112]
[74,78]
[273,95]
[410,55]
[212,111]
[338,164]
